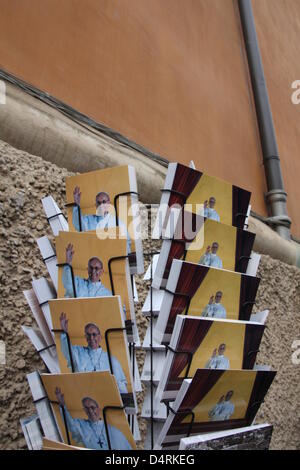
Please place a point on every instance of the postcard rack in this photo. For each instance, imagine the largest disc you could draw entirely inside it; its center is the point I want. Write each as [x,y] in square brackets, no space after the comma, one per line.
[150,255]
[152,385]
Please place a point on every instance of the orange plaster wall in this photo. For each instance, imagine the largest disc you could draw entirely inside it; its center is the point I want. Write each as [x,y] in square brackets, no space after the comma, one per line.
[169,74]
[278,29]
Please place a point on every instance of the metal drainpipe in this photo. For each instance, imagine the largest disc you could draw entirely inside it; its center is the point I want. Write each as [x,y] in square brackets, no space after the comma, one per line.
[276,195]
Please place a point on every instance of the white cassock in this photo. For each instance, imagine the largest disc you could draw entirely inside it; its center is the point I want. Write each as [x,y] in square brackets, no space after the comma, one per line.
[93,435]
[221,411]
[211,259]
[227,409]
[86,359]
[214,413]
[218,362]
[93,221]
[84,287]
[212,214]
[214,310]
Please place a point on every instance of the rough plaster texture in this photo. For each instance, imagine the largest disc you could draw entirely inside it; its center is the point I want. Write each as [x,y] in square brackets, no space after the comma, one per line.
[24,180]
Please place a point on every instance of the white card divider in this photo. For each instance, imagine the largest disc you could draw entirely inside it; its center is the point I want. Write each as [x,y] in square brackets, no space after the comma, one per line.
[158,365]
[157,427]
[49,355]
[38,315]
[137,378]
[157,298]
[253,264]
[146,343]
[49,257]
[159,408]
[247,218]
[135,291]
[133,421]
[32,432]
[43,407]
[44,292]
[260,317]
[57,220]
[154,264]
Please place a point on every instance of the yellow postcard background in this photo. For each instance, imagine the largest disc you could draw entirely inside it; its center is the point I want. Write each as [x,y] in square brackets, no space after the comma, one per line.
[101,386]
[229,283]
[240,381]
[231,334]
[225,235]
[209,186]
[112,181]
[105,312]
[86,245]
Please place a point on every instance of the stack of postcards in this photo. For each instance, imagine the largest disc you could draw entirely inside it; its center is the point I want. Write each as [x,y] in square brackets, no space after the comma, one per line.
[86,328]
[203,382]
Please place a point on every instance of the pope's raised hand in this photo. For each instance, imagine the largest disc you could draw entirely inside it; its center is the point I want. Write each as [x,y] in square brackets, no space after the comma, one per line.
[64,322]
[77,195]
[69,253]
[60,396]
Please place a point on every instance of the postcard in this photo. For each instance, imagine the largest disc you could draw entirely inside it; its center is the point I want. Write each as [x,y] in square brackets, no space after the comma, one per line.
[200,290]
[89,410]
[256,437]
[204,241]
[99,270]
[215,400]
[107,198]
[90,336]
[201,194]
[206,343]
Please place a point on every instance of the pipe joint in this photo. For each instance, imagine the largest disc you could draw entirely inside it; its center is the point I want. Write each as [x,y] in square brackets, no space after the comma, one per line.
[276,196]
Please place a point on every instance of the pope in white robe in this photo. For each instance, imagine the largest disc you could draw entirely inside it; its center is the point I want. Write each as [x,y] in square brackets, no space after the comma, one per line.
[226,411]
[91,432]
[214,308]
[209,211]
[102,220]
[223,410]
[218,360]
[91,287]
[214,413]
[211,259]
[83,287]
[91,357]
[86,359]
[214,311]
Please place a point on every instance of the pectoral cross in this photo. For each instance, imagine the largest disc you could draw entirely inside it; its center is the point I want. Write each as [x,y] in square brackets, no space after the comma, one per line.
[100,442]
